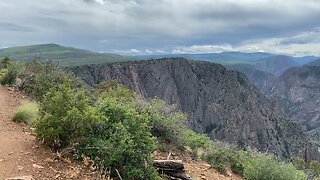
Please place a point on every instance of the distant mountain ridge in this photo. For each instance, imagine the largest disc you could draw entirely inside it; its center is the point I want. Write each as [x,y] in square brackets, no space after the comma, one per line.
[222,58]
[67,56]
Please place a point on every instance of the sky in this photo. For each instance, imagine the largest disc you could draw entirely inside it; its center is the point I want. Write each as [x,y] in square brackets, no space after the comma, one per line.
[135,27]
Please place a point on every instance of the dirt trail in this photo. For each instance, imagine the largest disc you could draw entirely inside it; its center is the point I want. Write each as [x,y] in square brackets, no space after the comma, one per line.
[20,152]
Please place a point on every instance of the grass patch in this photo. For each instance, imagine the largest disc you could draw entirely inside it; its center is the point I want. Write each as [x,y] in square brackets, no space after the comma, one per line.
[27,112]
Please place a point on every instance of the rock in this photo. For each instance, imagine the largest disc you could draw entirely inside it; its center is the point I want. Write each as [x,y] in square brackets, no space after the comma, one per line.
[20,178]
[49,160]
[20,168]
[37,166]
[228,174]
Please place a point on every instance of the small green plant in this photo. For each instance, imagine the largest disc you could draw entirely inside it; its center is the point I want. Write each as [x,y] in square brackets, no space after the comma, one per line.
[27,112]
[266,167]
[112,89]
[5,62]
[218,158]
[299,163]
[227,157]
[195,141]
[252,166]
[2,73]
[315,168]
[10,76]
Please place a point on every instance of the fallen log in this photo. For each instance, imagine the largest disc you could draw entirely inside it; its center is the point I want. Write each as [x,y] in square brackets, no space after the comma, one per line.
[169,165]
[172,168]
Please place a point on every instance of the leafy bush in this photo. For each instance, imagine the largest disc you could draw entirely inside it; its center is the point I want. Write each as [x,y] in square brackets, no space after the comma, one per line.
[27,112]
[252,166]
[228,157]
[9,78]
[112,89]
[266,167]
[122,141]
[195,141]
[38,77]
[299,163]
[311,167]
[66,115]
[169,124]
[2,73]
[315,168]
[5,62]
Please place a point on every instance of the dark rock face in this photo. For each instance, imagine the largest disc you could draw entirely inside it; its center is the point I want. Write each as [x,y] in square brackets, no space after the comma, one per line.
[219,102]
[265,81]
[298,90]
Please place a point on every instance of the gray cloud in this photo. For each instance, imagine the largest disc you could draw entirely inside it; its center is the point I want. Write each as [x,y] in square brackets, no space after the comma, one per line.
[159,26]
[15,27]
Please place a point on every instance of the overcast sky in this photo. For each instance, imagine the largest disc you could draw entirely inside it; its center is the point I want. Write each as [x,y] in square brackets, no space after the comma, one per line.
[165,26]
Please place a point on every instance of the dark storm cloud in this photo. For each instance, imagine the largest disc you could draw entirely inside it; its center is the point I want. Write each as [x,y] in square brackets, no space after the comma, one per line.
[163,25]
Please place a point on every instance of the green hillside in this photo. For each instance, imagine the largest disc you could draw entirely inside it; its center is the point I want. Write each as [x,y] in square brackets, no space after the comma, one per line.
[67,56]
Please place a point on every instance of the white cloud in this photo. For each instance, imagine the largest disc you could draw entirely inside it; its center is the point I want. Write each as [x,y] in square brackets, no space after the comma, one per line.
[202,49]
[100,1]
[148,51]
[130,52]
[304,43]
[166,25]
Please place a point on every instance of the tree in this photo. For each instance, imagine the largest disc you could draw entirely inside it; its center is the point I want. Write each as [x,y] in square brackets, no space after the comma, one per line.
[5,62]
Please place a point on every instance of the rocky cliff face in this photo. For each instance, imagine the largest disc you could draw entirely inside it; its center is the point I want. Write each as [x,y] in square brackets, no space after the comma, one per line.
[219,102]
[265,81]
[298,90]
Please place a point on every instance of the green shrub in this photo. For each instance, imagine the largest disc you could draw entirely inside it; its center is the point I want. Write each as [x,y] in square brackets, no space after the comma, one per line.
[315,168]
[39,77]
[299,163]
[169,124]
[252,166]
[9,78]
[2,73]
[112,89]
[122,141]
[219,159]
[195,141]
[66,115]
[228,157]
[5,62]
[27,112]
[266,167]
